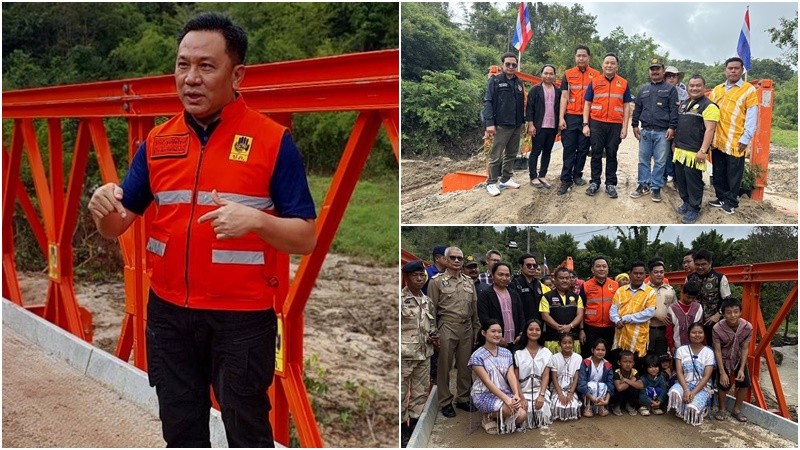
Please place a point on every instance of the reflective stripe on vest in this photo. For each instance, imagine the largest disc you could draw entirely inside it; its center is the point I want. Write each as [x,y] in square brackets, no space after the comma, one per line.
[173,197]
[236,257]
[205,198]
[156,246]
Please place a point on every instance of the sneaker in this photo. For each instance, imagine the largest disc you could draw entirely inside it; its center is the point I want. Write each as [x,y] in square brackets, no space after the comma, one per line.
[640,191]
[564,188]
[611,190]
[683,209]
[644,411]
[658,411]
[716,203]
[579,181]
[691,216]
[510,184]
[670,178]
[593,188]
[493,190]
[615,410]
[655,194]
[728,209]
[631,410]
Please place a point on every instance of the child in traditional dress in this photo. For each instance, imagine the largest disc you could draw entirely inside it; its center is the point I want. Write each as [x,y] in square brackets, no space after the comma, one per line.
[626,384]
[654,391]
[564,368]
[683,313]
[595,381]
[667,369]
[495,389]
[731,344]
[694,364]
[534,377]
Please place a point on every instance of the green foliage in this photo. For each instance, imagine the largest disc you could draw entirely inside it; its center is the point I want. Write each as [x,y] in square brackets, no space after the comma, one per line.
[436,42]
[785,37]
[784,113]
[635,53]
[369,228]
[725,252]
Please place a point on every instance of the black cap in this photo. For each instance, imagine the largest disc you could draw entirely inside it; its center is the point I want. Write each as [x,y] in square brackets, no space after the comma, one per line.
[471,260]
[656,62]
[414,266]
[439,250]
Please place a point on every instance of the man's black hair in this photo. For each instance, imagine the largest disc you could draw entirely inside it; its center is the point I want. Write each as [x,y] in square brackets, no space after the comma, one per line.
[583,47]
[525,256]
[704,255]
[235,36]
[730,302]
[638,263]
[616,58]
[597,258]
[692,252]
[696,76]
[508,55]
[734,59]
[692,288]
[655,262]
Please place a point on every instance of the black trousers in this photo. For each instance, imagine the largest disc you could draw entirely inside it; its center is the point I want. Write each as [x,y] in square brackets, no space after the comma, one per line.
[605,137]
[576,148]
[728,172]
[233,351]
[595,333]
[690,185]
[542,145]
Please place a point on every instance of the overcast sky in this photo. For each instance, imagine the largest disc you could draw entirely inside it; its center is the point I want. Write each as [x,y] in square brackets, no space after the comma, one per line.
[703,32]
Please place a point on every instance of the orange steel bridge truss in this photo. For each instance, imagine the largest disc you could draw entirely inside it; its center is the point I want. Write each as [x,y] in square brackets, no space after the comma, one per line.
[367,83]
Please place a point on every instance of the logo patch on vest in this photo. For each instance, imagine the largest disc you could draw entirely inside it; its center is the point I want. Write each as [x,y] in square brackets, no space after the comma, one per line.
[619,83]
[240,149]
[170,146]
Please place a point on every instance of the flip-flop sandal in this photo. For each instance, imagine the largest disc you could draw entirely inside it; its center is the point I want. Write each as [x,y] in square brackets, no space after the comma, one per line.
[545,183]
[721,415]
[739,416]
[489,425]
[537,185]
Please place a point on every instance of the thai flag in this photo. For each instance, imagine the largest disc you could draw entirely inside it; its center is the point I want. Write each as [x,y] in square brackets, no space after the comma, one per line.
[544,263]
[743,48]
[524,32]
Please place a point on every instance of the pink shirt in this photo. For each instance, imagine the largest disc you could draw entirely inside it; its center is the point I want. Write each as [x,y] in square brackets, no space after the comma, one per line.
[549,120]
[504,298]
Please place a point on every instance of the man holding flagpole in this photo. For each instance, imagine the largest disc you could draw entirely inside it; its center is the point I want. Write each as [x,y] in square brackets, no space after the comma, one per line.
[504,111]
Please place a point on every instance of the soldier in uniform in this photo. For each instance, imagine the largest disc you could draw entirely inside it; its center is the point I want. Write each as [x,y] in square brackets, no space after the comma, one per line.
[455,302]
[418,341]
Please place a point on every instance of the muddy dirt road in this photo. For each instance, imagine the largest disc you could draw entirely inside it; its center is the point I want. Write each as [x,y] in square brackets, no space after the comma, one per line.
[423,203]
[350,340]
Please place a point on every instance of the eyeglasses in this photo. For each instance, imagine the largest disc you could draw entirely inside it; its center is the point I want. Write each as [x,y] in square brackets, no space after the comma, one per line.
[532,266]
[512,65]
[456,258]
[672,75]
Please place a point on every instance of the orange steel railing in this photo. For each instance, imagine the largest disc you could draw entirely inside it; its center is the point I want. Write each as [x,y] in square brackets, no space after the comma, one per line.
[751,277]
[759,146]
[367,83]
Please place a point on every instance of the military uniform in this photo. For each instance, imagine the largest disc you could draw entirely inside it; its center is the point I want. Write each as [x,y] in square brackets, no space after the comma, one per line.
[455,303]
[418,321]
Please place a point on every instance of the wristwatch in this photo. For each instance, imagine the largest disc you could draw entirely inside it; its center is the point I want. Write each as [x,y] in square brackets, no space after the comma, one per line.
[586,124]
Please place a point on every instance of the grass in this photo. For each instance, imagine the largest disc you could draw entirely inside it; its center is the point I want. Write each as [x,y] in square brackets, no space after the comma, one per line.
[369,229]
[784,138]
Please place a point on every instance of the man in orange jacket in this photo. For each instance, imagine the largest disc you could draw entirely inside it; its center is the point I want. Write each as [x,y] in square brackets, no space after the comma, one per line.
[608,102]
[232,200]
[599,292]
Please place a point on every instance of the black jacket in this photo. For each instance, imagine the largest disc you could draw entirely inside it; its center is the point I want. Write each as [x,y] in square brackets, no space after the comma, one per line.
[489,308]
[504,102]
[529,294]
[535,111]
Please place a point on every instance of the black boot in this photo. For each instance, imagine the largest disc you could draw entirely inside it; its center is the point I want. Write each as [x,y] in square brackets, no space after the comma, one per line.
[405,434]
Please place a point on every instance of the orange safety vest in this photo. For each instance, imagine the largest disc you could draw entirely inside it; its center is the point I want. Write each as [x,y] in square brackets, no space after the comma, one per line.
[607,105]
[598,302]
[578,83]
[187,264]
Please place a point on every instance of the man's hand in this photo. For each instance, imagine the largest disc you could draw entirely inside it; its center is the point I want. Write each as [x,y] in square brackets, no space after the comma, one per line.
[624,133]
[586,131]
[490,130]
[562,124]
[670,134]
[701,157]
[742,147]
[713,319]
[231,219]
[636,133]
[531,129]
[582,336]
[105,200]
[619,324]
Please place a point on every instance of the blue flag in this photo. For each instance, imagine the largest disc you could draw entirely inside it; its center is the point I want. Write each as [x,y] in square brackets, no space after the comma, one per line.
[743,48]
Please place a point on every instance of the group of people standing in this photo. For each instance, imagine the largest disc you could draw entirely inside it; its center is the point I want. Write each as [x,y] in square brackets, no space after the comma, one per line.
[527,354]
[678,127]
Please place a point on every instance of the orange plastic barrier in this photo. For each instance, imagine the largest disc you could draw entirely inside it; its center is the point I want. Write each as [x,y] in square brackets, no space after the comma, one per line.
[365,82]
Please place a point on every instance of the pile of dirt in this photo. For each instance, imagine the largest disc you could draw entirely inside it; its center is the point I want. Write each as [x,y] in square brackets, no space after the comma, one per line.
[424,203]
[350,345]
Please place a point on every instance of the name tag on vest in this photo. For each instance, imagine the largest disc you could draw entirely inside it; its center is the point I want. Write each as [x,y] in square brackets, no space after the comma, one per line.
[170,146]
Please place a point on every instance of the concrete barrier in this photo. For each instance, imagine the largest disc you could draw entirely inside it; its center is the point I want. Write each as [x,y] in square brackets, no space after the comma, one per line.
[784,428]
[130,382]
[422,432]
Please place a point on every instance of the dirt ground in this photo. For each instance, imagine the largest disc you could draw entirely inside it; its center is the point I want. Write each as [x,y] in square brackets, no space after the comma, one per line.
[350,333]
[423,202]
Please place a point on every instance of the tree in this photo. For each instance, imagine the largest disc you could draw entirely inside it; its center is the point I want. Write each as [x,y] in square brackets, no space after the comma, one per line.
[436,42]
[784,36]
[724,252]
[634,53]
[635,244]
